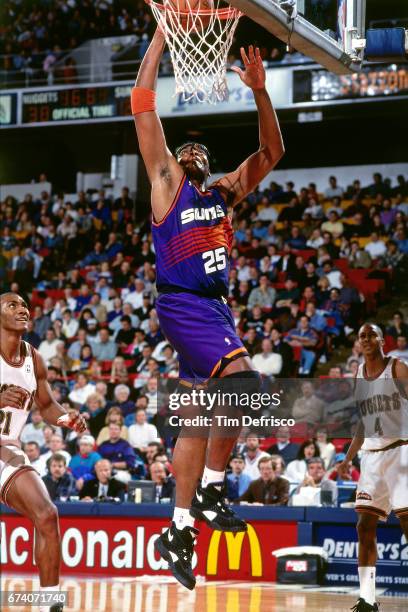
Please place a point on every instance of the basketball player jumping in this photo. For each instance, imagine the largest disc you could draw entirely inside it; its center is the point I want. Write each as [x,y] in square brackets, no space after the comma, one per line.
[23,381]
[381,393]
[192,235]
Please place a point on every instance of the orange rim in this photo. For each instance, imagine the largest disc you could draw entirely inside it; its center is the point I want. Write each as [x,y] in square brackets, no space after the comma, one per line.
[223,13]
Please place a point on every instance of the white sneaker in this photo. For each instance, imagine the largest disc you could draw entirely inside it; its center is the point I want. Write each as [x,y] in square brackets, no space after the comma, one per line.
[323,359]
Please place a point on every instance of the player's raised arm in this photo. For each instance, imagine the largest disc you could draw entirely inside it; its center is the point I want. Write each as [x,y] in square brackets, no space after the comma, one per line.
[249,174]
[164,172]
[50,409]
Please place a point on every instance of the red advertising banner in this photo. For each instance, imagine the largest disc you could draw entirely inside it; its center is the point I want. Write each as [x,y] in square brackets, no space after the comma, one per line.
[114,546]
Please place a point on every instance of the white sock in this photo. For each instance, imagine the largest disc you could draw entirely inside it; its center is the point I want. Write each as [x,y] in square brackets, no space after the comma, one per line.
[211,477]
[43,589]
[367,584]
[54,588]
[182,518]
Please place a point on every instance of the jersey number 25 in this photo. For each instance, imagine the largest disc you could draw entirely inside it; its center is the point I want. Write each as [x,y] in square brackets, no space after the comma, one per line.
[214,260]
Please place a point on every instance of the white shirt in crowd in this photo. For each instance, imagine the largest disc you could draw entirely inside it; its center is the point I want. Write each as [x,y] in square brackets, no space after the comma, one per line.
[70,328]
[333,192]
[40,465]
[140,436]
[62,452]
[296,470]
[327,452]
[251,465]
[30,433]
[48,350]
[315,243]
[375,248]
[268,214]
[135,298]
[103,489]
[79,396]
[268,364]
[243,273]
[399,354]
[334,278]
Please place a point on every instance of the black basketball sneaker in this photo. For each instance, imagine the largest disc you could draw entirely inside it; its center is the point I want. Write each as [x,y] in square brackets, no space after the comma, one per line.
[209,505]
[363,606]
[176,546]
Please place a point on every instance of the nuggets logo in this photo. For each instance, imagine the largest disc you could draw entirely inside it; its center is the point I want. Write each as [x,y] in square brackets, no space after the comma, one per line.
[364,495]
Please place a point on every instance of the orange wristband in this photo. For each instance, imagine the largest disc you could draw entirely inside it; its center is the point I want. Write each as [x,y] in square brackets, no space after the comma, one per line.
[142,100]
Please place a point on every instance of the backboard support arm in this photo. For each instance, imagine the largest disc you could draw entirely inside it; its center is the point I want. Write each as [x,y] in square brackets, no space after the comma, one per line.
[304,36]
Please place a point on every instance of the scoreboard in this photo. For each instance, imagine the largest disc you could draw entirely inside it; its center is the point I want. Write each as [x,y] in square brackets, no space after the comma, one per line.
[318,85]
[292,88]
[73,104]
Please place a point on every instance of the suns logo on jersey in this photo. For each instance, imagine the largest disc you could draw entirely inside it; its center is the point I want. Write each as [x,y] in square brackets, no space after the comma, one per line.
[201,214]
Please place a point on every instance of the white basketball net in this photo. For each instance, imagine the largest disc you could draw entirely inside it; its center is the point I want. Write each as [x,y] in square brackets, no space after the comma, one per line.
[199,42]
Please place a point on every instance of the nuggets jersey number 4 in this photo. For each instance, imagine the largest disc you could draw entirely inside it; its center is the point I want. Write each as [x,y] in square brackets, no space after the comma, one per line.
[193,242]
[383,408]
[12,420]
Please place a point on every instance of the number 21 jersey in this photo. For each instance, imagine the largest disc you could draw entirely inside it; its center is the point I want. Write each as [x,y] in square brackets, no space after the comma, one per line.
[22,374]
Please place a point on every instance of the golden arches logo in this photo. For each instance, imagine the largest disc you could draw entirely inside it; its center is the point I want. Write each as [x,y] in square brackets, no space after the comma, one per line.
[234,543]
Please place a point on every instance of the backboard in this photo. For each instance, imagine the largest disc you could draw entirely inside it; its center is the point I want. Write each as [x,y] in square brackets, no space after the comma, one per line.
[329,31]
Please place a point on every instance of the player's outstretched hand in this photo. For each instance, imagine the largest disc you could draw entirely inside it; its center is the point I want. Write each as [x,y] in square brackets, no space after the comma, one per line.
[13,397]
[253,74]
[75,421]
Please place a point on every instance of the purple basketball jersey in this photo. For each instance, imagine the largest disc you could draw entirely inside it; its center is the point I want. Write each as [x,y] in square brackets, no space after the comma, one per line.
[193,242]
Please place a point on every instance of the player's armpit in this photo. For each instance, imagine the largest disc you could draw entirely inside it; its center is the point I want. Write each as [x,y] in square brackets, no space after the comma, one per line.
[164,193]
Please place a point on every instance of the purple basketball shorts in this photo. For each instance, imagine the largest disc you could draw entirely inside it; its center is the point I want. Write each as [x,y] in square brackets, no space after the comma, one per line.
[201,330]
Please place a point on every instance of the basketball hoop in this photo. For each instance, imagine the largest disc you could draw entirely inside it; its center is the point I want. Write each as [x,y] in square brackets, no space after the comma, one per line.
[199,40]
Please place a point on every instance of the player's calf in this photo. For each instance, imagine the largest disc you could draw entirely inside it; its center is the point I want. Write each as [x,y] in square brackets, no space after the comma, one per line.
[209,503]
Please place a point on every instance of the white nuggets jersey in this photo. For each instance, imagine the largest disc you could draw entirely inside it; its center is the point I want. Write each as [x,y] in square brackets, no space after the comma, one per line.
[12,420]
[383,408]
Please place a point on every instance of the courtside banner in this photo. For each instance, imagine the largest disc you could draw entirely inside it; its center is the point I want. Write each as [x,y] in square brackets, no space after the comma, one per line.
[340,543]
[124,546]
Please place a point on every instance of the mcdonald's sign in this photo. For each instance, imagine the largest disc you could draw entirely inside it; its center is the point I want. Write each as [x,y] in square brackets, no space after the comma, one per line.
[234,543]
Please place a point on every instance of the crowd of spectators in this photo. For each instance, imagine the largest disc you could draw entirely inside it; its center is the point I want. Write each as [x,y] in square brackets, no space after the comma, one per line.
[36,39]
[82,469]
[301,272]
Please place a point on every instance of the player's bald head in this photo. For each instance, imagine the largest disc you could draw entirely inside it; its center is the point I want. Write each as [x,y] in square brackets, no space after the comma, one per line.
[7,295]
[373,327]
[11,296]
